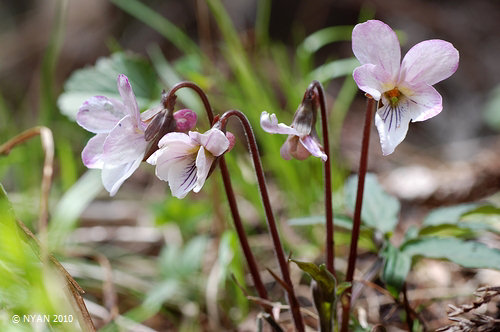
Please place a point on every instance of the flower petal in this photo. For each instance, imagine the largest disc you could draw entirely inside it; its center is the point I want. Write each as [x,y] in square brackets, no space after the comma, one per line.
[374,42]
[124,143]
[292,148]
[392,125]
[92,152]
[214,141]
[313,147]
[182,176]
[204,161]
[426,103]
[128,97]
[176,138]
[100,114]
[429,62]
[148,114]
[373,80]
[172,152]
[285,148]
[114,176]
[270,124]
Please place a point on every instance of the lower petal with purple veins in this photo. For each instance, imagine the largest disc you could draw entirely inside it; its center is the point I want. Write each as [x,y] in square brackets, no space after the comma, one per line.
[182,176]
[392,125]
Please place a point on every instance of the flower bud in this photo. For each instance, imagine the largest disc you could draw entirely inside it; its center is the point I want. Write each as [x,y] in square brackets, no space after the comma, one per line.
[185,120]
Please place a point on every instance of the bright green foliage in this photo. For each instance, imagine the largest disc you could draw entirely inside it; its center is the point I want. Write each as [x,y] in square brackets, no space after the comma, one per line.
[100,80]
[397,265]
[325,292]
[26,286]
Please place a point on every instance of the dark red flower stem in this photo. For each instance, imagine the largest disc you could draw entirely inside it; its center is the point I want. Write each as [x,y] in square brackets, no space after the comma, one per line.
[330,244]
[271,223]
[363,162]
[238,224]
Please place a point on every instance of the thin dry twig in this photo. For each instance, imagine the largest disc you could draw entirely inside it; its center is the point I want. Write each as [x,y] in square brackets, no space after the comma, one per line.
[478,322]
[75,289]
[40,246]
[108,289]
[48,169]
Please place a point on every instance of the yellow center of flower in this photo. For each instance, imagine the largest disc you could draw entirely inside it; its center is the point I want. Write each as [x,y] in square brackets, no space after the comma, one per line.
[393,96]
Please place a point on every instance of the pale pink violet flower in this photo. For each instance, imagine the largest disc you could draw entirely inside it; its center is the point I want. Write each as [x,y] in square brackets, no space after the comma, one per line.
[404,88]
[300,144]
[119,145]
[185,160]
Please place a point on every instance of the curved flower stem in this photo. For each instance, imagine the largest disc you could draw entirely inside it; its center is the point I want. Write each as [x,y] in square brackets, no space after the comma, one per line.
[363,162]
[238,224]
[330,245]
[271,223]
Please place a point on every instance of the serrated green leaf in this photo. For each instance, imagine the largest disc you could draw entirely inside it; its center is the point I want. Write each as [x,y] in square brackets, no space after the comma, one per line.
[380,210]
[469,254]
[448,215]
[338,220]
[397,265]
[100,80]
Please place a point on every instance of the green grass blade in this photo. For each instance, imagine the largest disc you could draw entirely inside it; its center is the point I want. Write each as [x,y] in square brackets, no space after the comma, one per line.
[48,99]
[159,23]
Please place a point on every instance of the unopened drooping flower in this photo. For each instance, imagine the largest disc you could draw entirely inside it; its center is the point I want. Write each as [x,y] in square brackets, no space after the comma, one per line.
[185,160]
[119,144]
[404,88]
[302,139]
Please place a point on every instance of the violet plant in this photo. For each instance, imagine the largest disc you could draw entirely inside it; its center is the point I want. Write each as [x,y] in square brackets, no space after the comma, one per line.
[185,159]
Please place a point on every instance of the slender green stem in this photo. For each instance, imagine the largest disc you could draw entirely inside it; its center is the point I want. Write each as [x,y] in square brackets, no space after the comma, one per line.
[271,223]
[238,224]
[330,245]
[346,303]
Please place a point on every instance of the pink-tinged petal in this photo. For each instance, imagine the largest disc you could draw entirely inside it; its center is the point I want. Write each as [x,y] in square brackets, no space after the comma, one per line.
[182,176]
[204,161]
[185,120]
[426,103]
[429,62]
[92,152]
[124,143]
[128,97]
[392,125]
[231,139]
[214,141]
[270,124]
[148,115]
[292,148]
[100,114]
[374,42]
[313,147]
[114,176]
[285,148]
[175,137]
[170,154]
[373,80]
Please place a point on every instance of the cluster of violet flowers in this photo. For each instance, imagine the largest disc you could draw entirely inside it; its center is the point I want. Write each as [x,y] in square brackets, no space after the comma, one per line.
[184,158]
